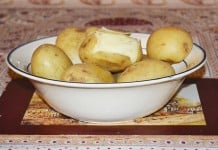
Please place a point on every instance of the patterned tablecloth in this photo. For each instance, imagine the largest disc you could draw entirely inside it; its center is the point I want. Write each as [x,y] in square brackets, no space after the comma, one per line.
[26,20]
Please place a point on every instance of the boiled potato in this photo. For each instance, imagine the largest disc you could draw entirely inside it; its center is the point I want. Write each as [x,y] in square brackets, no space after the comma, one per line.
[87,73]
[146,69]
[113,51]
[69,40]
[49,61]
[170,44]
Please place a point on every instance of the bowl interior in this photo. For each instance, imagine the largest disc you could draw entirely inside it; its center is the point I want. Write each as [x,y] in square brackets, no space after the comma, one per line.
[20,57]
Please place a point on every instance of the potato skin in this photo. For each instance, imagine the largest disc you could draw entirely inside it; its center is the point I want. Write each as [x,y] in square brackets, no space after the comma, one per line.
[170,44]
[87,73]
[145,70]
[49,61]
[113,60]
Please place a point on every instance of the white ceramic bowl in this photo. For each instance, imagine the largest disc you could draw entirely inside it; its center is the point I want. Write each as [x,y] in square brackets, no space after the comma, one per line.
[105,102]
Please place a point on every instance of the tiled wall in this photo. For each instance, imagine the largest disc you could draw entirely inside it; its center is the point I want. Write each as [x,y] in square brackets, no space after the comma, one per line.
[110,3]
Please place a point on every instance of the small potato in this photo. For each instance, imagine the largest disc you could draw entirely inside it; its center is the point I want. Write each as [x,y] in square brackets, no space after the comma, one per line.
[145,70]
[49,61]
[87,73]
[170,44]
[113,51]
[70,40]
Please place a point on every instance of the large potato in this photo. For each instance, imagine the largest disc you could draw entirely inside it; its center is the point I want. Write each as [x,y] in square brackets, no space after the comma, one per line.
[146,69]
[87,73]
[70,40]
[113,51]
[49,61]
[170,44]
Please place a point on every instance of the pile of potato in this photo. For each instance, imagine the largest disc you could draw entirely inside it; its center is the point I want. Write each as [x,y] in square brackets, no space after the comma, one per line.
[99,55]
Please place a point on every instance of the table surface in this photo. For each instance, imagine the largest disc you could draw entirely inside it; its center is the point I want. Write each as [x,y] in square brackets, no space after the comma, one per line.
[26,20]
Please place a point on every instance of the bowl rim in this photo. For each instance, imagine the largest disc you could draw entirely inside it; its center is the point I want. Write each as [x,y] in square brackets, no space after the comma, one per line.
[101,85]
